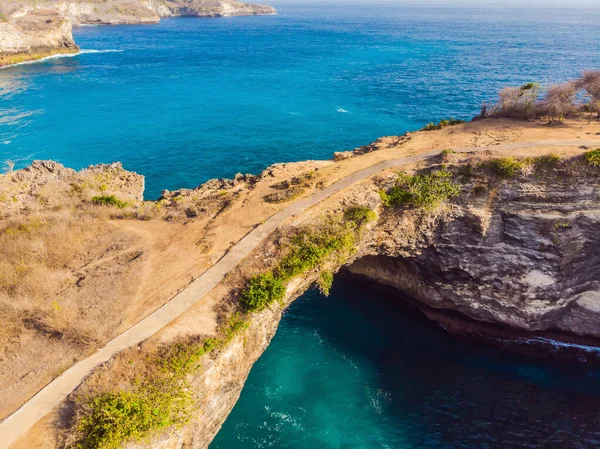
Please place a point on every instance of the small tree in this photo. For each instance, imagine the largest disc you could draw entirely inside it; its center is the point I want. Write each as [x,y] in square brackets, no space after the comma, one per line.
[528,95]
[590,82]
[560,100]
[518,102]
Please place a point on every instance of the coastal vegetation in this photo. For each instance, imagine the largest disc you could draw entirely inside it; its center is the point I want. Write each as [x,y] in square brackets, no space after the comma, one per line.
[159,394]
[530,101]
[308,249]
[442,124]
[108,200]
[422,190]
[593,157]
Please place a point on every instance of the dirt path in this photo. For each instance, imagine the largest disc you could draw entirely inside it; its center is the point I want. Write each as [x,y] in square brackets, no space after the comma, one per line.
[56,391]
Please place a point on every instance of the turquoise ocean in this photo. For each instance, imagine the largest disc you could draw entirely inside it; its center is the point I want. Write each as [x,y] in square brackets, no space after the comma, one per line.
[191,99]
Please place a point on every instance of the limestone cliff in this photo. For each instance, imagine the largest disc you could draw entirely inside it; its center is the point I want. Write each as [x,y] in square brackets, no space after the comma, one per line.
[519,254]
[40,33]
[33,30]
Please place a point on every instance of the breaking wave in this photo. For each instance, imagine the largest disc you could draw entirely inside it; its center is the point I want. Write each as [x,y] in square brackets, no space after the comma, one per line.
[61,56]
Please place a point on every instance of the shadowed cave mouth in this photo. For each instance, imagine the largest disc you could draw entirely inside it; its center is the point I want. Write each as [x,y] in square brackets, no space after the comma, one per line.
[549,344]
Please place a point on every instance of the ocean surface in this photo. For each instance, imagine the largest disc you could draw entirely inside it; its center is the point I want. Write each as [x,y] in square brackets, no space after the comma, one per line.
[362,370]
[192,99]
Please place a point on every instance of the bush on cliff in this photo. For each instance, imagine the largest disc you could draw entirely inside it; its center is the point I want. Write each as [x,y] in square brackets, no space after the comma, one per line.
[593,158]
[109,200]
[424,190]
[308,250]
[442,124]
[508,167]
[359,215]
[262,291]
[159,396]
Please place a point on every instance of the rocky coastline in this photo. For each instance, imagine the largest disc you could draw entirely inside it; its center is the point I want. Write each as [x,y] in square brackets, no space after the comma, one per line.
[508,258]
[31,31]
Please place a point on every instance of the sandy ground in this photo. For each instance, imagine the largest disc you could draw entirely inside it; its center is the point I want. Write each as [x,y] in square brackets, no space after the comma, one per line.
[171,254]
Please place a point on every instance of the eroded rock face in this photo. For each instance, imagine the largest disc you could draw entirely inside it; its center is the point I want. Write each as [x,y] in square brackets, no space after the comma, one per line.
[37,34]
[525,255]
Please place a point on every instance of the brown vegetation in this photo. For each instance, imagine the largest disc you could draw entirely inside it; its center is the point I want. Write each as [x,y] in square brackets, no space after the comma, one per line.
[570,99]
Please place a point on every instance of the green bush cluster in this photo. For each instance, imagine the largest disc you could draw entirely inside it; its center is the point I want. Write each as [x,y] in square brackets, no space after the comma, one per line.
[545,161]
[447,151]
[593,158]
[325,282]
[161,399]
[424,190]
[121,416]
[360,215]
[262,290]
[442,124]
[508,167]
[109,200]
[308,250]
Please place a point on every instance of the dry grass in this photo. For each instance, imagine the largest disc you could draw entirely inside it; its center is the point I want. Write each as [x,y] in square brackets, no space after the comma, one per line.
[37,258]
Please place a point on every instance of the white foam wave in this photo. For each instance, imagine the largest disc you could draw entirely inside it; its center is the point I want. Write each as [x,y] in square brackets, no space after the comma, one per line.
[558,344]
[65,55]
[343,111]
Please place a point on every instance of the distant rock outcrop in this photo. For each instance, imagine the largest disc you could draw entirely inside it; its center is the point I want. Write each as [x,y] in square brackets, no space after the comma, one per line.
[30,31]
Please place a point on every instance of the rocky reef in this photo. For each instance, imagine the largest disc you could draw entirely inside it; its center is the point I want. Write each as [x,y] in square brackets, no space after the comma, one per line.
[30,31]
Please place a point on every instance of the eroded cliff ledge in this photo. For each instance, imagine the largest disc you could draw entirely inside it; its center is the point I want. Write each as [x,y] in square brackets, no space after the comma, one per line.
[33,30]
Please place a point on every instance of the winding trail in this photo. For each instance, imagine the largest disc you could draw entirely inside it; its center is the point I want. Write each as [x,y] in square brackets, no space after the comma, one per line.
[56,391]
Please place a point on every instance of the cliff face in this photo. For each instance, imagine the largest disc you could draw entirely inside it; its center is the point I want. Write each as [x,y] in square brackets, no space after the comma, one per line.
[518,255]
[524,255]
[30,31]
[38,34]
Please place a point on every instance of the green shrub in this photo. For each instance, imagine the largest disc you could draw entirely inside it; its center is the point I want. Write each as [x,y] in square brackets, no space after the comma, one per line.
[426,190]
[325,282]
[442,124]
[359,215]
[447,151]
[109,200]
[234,325]
[546,161]
[308,250]
[3,18]
[508,167]
[161,399]
[118,417]
[262,290]
[593,158]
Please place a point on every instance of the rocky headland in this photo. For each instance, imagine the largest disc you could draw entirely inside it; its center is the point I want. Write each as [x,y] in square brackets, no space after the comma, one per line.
[488,227]
[33,30]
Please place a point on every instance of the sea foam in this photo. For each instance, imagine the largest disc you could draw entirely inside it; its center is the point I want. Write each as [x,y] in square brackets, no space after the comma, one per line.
[60,56]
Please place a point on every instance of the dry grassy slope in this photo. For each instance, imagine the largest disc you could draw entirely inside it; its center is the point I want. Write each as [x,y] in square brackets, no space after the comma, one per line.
[161,246]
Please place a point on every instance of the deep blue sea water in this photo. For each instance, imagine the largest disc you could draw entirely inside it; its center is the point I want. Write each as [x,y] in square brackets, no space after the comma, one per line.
[362,370]
[191,99]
